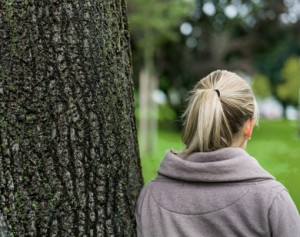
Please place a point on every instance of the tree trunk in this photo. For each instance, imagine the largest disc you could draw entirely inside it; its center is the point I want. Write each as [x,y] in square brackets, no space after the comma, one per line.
[69,162]
[148,112]
[148,83]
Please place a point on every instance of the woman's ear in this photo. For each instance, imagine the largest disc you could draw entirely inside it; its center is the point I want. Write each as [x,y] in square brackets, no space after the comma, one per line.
[248,128]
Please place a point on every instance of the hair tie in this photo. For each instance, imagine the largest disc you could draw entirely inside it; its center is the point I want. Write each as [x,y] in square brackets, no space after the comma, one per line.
[218,92]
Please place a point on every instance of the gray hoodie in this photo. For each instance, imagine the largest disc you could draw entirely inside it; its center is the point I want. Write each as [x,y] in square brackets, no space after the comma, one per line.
[224,193]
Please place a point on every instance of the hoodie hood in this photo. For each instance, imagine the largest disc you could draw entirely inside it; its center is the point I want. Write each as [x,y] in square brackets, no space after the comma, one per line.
[219,193]
[229,164]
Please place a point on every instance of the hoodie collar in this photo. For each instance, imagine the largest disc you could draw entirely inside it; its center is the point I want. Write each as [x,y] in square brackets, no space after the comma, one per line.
[229,164]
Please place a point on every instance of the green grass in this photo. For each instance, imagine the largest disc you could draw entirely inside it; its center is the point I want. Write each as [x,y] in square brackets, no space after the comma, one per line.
[274,144]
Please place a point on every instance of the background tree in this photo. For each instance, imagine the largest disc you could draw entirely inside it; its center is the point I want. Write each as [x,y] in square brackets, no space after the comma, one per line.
[69,162]
[261,86]
[288,91]
[152,24]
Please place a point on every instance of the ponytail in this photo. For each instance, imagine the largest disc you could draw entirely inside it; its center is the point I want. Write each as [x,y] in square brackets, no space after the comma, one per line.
[218,107]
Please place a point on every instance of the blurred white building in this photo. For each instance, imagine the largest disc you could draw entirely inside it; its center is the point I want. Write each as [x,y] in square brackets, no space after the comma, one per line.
[270,108]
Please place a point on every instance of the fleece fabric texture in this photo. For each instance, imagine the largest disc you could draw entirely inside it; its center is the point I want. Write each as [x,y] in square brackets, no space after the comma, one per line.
[224,193]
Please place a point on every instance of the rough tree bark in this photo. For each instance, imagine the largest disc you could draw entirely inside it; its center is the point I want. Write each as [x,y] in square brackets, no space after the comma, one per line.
[69,162]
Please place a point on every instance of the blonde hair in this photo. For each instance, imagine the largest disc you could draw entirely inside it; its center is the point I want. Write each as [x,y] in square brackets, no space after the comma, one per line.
[217,109]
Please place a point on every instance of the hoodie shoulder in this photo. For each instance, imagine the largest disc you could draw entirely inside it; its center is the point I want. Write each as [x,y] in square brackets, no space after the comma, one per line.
[284,217]
[273,186]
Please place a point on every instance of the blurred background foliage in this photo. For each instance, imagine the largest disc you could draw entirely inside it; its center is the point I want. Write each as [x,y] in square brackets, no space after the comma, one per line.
[177,42]
[180,41]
